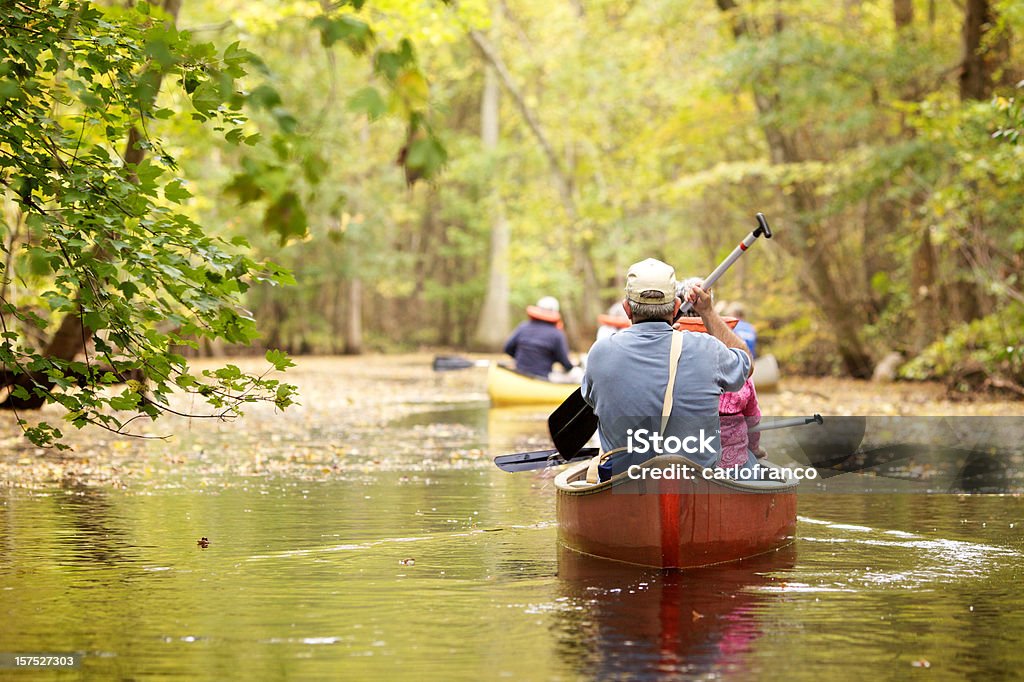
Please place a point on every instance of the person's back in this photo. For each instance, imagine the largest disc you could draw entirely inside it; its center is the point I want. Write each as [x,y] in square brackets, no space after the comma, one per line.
[628,373]
[631,369]
[538,343]
[536,346]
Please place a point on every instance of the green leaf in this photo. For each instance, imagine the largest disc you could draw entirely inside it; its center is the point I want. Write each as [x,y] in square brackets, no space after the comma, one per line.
[128,400]
[279,359]
[128,289]
[357,35]
[228,372]
[369,101]
[245,188]
[206,98]
[9,89]
[175,191]
[426,155]
[95,320]
[389,63]
[286,217]
[265,97]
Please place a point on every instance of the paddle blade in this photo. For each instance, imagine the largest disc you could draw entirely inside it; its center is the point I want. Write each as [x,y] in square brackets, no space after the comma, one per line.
[572,424]
[832,442]
[539,459]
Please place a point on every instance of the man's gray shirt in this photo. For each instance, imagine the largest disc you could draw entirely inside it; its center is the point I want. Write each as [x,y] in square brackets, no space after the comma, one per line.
[627,374]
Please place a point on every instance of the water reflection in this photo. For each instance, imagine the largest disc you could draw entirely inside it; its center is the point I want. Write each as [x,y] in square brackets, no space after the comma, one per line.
[93,530]
[500,429]
[628,623]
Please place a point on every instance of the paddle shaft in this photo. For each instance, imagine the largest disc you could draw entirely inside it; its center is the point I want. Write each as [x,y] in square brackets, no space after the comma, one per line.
[785,423]
[448,363]
[709,281]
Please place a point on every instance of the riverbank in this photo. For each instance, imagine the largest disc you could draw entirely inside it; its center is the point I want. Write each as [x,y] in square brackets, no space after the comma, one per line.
[346,402]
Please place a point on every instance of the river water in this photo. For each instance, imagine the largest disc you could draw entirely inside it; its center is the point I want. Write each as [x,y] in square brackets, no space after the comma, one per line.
[454,573]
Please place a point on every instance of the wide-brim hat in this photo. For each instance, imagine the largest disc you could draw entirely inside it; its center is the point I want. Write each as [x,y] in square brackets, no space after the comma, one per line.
[542,314]
[613,321]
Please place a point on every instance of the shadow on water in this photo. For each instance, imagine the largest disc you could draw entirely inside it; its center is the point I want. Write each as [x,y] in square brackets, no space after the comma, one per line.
[909,454]
[93,530]
[630,623]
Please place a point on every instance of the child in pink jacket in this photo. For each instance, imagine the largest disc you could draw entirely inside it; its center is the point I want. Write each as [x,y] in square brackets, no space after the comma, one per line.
[737,411]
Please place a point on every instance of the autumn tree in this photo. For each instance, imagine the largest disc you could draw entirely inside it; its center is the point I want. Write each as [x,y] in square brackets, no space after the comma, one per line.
[113,267]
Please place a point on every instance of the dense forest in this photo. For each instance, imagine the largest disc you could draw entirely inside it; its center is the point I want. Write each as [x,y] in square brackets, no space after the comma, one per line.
[193,177]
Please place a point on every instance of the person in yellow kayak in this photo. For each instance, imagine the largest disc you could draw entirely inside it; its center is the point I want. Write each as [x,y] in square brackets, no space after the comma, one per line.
[539,343]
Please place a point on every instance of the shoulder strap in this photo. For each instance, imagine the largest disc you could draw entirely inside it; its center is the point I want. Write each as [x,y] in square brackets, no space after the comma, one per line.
[673,364]
[675,351]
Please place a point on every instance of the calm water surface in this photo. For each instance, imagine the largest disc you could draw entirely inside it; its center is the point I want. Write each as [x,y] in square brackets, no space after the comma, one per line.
[455,574]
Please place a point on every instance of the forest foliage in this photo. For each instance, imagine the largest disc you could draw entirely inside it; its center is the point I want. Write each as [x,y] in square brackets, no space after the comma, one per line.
[108,276]
[168,166]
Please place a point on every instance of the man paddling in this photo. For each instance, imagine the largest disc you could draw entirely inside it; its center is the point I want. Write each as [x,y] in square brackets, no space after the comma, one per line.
[628,374]
[539,343]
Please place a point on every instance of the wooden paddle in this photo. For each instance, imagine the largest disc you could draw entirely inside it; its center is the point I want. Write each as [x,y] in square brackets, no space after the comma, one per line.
[573,422]
[541,459]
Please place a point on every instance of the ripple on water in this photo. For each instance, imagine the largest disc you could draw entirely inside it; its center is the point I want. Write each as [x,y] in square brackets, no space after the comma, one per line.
[909,560]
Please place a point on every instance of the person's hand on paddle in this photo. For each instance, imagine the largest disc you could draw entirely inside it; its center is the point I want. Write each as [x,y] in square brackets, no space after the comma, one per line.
[700,300]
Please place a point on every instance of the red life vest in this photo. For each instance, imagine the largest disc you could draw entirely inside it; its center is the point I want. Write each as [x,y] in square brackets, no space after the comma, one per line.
[613,321]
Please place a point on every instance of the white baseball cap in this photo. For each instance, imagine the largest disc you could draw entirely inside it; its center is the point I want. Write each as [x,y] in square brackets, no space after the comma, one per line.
[651,281]
[548,303]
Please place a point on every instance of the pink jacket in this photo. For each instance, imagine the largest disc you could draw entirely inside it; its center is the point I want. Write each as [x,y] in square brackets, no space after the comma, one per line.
[739,411]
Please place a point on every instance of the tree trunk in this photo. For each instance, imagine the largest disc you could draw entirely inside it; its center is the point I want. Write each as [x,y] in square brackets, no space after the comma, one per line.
[903,13]
[583,261]
[926,293]
[976,67]
[981,59]
[354,318]
[493,323]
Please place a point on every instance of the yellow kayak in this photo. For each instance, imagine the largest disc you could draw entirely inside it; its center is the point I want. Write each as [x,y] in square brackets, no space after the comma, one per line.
[507,387]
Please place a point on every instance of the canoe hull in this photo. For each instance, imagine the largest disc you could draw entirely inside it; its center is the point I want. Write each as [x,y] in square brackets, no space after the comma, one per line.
[673,524]
[506,387]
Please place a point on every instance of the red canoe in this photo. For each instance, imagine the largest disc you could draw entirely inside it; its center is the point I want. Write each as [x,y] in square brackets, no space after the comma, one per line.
[682,523]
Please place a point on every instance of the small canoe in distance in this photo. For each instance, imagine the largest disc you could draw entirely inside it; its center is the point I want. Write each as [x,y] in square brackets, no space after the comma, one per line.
[681,523]
[508,387]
